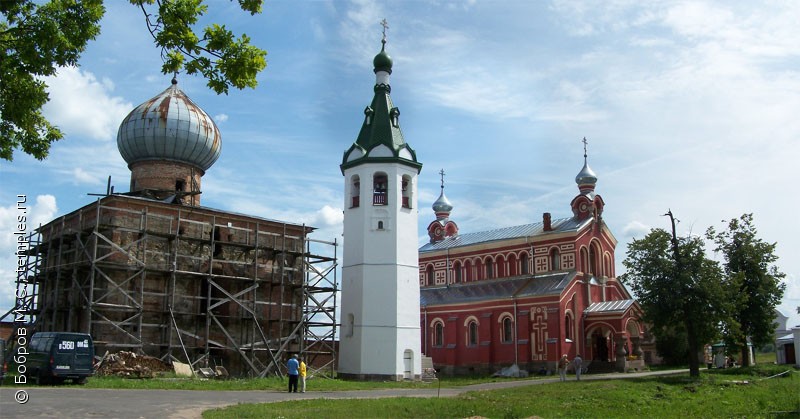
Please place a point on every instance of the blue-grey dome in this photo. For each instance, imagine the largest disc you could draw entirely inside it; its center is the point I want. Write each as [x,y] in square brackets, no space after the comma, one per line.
[169,127]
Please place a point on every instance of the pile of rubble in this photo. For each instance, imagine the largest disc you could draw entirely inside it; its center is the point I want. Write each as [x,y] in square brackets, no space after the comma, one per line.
[131,365]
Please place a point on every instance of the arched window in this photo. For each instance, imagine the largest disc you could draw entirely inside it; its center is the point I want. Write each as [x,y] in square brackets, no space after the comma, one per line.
[480,270]
[355,191]
[429,275]
[523,261]
[489,269]
[457,272]
[513,265]
[380,225]
[501,266]
[508,330]
[438,334]
[555,260]
[407,189]
[468,271]
[569,327]
[380,189]
[593,261]
[472,333]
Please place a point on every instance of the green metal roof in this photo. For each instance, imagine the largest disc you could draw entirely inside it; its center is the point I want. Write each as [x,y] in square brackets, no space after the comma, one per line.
[381,127]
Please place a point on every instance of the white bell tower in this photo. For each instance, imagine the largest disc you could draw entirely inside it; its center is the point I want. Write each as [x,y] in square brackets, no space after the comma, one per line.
[379,337]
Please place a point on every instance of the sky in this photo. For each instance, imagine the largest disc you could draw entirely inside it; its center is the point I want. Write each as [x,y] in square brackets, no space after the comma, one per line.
[688,106]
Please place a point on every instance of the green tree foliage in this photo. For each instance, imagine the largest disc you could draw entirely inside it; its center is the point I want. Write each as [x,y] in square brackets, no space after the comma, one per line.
[37,37]
[681,294]
[749,266]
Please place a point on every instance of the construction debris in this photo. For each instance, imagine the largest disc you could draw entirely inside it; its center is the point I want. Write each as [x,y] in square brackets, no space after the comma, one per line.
[130,365]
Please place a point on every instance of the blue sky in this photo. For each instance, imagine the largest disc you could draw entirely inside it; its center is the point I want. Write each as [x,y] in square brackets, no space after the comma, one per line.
[688,106]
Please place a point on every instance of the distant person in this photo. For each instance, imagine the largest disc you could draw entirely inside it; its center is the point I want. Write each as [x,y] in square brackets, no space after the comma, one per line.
[293,366]
[563,363]
[578,364]
[302,376]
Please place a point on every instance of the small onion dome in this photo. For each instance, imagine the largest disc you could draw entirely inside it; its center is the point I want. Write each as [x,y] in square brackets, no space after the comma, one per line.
[442,206]
[169,127]
[382,61]
[586,176]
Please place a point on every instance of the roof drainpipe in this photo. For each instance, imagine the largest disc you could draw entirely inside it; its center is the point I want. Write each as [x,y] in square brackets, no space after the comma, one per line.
[516,341]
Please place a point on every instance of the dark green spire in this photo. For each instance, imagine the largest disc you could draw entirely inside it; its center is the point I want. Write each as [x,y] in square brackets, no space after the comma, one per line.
[380,138]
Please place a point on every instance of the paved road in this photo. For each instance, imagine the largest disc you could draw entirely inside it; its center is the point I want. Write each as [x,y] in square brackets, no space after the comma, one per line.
[78,402]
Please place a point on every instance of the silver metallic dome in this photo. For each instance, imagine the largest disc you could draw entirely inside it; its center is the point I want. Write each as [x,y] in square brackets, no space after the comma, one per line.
[586,176]
[169,127]
[442,205]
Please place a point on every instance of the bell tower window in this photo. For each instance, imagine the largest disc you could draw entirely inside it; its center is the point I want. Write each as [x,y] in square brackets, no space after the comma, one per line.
[406,191]
[355,192]
[380,189]
[180,185]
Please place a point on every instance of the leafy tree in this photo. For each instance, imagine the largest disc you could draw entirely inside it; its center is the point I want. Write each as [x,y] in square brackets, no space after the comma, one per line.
[680,290]
[756,281]
[37,37]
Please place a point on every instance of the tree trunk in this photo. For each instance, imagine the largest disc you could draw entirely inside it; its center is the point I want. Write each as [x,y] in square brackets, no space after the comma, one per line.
[745,360]
[694,350]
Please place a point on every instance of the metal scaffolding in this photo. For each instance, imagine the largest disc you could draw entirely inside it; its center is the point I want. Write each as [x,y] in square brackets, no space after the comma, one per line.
[191,284]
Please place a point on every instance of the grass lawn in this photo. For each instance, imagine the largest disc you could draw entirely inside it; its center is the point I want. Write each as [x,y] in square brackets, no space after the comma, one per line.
[717,393]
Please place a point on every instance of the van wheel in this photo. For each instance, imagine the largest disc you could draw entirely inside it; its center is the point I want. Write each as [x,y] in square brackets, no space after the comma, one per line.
[80,381]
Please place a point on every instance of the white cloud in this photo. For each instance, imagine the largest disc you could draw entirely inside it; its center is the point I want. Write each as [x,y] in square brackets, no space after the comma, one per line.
[82,105]
[635,229]
[220,118]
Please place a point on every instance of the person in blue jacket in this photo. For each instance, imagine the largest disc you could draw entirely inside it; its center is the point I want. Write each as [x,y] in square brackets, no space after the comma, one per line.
[294,371]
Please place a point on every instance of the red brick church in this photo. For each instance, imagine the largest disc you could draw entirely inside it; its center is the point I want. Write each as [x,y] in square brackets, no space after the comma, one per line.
[527,294]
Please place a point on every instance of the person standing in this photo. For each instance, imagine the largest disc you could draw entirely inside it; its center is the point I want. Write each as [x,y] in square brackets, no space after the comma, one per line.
[563,363]
[302,376]
[578,364]
[293,366]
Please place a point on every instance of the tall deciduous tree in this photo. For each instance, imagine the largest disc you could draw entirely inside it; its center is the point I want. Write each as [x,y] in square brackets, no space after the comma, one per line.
[681,293]
[749,266]
[36,38]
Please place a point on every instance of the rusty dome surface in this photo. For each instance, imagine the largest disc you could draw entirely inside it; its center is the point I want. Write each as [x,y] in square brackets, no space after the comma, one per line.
[169,127]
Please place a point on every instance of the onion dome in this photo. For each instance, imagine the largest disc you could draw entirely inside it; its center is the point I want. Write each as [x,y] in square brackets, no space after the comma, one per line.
[442,205]
[586,179]
[382,61]
[169,127]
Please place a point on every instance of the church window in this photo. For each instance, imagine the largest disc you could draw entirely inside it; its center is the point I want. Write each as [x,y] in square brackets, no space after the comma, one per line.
[380,225]
[438,334]
[480,270]
[593,261]
[355,192]
[513,265]
[429,275]
[508,331]
[180,185]
[523,261]
[407,191]
[501,266]
[380,189]
[569,327]
[457,272]
[394,115]
[555,260]
[489,269]
[472,333]
[468,271]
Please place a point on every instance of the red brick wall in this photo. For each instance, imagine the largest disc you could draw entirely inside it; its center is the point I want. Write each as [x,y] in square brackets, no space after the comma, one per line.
[163,175]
